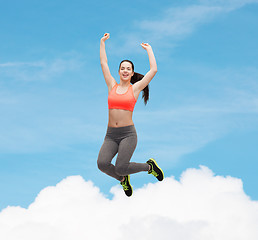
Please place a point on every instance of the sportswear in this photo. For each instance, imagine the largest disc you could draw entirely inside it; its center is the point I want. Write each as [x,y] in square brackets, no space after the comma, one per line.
[125,101]
[155,170]
[127,186]
[121,141]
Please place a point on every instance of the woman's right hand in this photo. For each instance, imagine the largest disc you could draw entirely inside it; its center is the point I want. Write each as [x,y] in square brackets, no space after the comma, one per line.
[105,37]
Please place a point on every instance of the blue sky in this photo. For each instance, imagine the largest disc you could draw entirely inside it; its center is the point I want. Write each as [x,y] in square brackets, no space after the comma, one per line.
[203,107]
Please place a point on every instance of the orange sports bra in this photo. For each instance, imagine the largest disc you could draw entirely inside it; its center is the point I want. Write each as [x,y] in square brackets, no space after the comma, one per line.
[124,101]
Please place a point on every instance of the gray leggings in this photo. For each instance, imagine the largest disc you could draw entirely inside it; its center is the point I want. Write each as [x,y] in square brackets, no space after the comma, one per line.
[121,140]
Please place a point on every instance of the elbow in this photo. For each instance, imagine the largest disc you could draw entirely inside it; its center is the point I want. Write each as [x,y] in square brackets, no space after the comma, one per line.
[154,70]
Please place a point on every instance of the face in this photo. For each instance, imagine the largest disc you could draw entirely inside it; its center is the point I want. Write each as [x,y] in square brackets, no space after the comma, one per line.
[126,71]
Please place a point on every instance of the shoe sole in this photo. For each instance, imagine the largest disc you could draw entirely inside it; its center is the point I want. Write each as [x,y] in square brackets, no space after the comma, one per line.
[130,186]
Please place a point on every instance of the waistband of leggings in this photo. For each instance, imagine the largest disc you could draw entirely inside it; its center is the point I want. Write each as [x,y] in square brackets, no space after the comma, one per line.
[121,129]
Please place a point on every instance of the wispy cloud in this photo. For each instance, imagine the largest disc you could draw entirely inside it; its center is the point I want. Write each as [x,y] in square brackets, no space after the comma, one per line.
[59,119]
[23,64]
[178,22]
[228,5]
[200,206]
[41,70]
[45,119]
[189,122]
[175,23]
[38,111]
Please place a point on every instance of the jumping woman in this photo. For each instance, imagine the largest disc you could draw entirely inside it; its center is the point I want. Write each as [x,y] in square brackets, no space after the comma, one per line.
[121,136]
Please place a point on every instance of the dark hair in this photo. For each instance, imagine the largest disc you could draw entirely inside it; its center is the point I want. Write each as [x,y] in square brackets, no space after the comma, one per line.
[137,77]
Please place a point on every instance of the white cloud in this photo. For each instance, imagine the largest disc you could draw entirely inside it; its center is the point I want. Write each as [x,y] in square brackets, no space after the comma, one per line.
[43,107]
[41,70]
[199,206]
[179,21]
[47,119]
[224,101]
[228,5]
[173,24]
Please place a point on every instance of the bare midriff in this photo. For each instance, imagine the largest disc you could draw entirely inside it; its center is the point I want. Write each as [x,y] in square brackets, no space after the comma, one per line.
[119,118]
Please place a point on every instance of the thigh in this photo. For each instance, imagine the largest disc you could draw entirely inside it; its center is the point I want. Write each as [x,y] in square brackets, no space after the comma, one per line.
[107,151]
[126,149]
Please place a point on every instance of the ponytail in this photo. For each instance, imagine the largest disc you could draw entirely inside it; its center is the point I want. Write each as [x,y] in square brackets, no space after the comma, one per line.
[137,77]
[145,92]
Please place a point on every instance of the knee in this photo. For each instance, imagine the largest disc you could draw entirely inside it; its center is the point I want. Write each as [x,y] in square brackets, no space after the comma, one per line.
[121,170]
[102,166]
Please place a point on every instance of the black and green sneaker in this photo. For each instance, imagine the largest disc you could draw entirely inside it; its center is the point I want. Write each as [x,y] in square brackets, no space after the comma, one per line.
[155,169]
[127,186]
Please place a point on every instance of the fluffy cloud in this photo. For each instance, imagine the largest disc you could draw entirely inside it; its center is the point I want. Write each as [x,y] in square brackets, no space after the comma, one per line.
[199,206]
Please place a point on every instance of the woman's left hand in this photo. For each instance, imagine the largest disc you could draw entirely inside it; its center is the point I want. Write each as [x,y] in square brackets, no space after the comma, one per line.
[146,46]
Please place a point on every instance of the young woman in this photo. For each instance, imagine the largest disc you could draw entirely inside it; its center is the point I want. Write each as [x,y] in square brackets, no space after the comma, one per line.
[121,135]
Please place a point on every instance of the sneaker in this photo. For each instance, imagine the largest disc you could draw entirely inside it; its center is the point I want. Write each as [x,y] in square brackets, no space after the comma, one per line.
[155,169]
[127,186]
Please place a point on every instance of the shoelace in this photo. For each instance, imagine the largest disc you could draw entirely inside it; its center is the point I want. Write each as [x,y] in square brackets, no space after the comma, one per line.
[125,187]
[154,173]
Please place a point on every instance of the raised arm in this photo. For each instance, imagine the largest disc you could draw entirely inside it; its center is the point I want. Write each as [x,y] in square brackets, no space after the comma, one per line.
[140,85]
[110,81]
